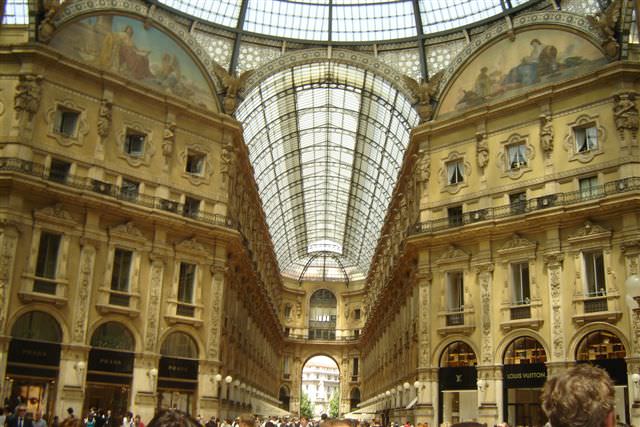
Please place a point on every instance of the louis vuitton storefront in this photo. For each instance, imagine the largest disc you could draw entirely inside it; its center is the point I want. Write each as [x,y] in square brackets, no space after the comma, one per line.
[457,378]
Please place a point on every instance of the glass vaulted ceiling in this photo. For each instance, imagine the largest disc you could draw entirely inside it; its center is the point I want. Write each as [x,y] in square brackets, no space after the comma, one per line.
[326,141]
[343,20]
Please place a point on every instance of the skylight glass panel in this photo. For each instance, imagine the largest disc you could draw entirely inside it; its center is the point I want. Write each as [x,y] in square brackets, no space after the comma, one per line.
[286,19]
[441,15]
[223,12]
[370,22]
[16,12]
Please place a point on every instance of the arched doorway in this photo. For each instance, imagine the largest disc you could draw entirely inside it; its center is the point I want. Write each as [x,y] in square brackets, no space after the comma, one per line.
[323,308]
[354,399]
[524,372]
[606,350]
[110,369]
[284,396]
[178,373]
[321,386]
[33,361]
[457,380]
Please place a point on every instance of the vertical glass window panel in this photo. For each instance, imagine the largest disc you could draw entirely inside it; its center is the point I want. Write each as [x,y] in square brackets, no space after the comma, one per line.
[16,12]
[130,189]
[223,12]
[455,172]
[594,273]
[586,139]
[588,187]
[455,291]
[121,273]
[66,122]
[288,19]
[134,144]
[441,15]
[520,283]
[59,170]
[517,156]
[186,282]
[47,262]
[373,22]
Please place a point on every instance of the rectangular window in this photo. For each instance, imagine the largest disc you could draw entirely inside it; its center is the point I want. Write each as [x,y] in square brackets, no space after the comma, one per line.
[357,314]
[355,366]
[59,170]
[516,156]
[594,273]
[66,122]
[191,207]
[588,187]
[47,263]
[195,163]
[586,139]
[520,283]
[518,202]
[455,291]
[121,273]
[186,282]
[455,172]
[454,214]
[130,189]
[134,143]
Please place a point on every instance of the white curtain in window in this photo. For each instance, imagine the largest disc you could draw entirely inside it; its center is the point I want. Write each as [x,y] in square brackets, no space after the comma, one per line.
[517,156]
[455,172]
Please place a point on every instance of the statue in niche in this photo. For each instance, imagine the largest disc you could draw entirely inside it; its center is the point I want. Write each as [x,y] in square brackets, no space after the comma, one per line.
[226,160]
[47,27]
[605,22]
[424,170]
[546,134]
[104,117]
[168,138]
[482,150]
[424,92]
[625,114]
[232,85]
[28,93]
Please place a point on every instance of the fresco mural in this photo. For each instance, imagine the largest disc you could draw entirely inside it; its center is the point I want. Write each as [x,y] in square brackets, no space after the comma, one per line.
[145,55]
[508,68]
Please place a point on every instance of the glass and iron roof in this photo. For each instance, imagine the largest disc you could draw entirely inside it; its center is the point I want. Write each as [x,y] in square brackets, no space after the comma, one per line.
[343,20]
[326,141]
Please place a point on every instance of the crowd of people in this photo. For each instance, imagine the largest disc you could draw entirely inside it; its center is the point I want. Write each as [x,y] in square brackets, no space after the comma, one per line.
[583,396]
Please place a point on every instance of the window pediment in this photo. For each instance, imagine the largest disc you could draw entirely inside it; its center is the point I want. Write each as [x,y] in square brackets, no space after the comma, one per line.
[453,256]
[518,247]
[55,214]
[590,235]
[128,232]
[192,247]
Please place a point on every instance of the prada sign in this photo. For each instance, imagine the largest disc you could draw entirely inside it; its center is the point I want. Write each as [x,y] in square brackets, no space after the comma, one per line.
[462,378]
[528,375]
[616,368]
[185,369]
[110,361]
[34,353]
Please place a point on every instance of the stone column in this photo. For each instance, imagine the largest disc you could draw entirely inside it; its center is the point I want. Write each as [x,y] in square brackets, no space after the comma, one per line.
[208,402]
[631,251]
[143,386]
[8,246]
[487,386]
[553,261]
[425,405]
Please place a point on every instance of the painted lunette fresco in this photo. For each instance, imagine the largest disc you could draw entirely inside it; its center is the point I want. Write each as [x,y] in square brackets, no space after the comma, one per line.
[148,56]
[507,68]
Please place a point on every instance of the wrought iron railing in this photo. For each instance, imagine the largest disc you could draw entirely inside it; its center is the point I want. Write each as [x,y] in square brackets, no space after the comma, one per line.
[10,164]
[524,207]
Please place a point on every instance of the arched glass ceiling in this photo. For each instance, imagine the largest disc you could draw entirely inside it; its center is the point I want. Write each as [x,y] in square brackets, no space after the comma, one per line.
[343,20]
[326,141]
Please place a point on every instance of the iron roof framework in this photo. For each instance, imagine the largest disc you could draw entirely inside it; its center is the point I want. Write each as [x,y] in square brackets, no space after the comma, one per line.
[326,141]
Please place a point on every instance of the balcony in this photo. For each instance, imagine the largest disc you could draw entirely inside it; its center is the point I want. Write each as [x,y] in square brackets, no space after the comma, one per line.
[42,289]
[522,314]
[105,189]
[184,312]
[456,321]
[335,335]
[602,306]
[528,206]
[111,301]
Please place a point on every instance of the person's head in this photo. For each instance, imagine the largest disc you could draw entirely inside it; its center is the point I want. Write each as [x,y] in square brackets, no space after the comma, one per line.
[70,411]
[137,419]
[172,418]
[21,410]
[535,42]
[246,420]
[304,421]
[38,414]
[583,396]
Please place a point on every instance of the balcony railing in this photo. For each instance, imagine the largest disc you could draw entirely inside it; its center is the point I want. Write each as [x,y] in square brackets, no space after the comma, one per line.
[10,164]
[531,205]
[520,312]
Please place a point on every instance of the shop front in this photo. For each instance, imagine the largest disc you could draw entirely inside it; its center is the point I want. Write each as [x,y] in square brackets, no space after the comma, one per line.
[33,361]
[457,379]
[605,349]
[110,369]
[524,372]
[178,373]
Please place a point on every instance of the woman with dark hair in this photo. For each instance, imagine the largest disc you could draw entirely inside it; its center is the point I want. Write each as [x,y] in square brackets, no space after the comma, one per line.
[172,418]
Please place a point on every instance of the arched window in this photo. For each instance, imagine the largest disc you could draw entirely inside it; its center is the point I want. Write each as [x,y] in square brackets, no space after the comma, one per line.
[524,350]
[322,315]
[600,345]
[180,345]
[284,397]
[37,326]
[458,354]
[113,336]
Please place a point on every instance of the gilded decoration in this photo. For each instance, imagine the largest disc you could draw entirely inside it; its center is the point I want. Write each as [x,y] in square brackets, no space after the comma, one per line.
[138,52]
[502,69]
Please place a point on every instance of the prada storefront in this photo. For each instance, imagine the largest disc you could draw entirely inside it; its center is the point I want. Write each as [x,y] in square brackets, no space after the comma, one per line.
[178,373]
[110,368]
[33,361]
